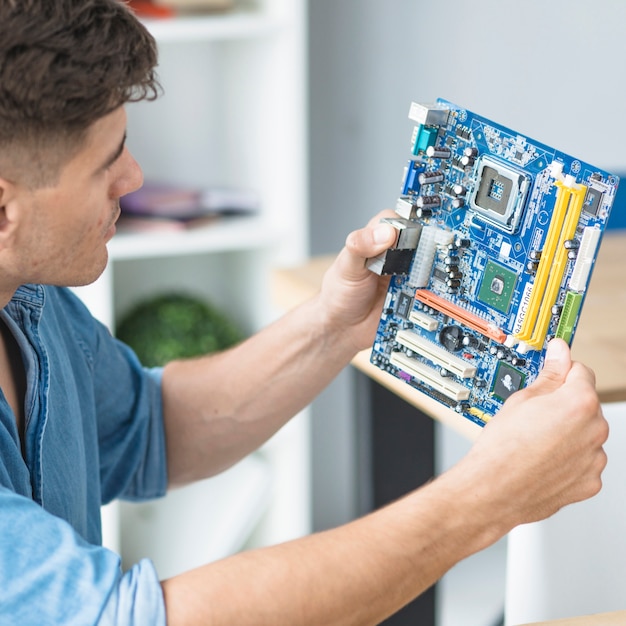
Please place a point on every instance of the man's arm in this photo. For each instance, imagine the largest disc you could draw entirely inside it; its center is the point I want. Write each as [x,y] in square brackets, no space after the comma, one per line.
[543,451]
[221,407]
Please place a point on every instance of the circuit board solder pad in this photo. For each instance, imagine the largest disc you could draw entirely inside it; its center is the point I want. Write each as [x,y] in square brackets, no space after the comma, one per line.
[497,238]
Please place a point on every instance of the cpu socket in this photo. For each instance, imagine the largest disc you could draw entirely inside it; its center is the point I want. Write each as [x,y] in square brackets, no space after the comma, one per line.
[499,193]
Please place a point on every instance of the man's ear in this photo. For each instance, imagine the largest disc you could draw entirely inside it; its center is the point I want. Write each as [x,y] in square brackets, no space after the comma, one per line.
[8,211]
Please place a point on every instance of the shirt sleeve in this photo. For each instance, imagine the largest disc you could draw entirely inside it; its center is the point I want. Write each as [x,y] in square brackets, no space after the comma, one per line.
[49,575]
[126,398]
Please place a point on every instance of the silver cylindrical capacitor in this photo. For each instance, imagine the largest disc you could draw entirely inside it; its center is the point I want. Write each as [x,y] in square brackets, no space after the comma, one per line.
[428,201]
[438,153]
[431,177]
[470,342]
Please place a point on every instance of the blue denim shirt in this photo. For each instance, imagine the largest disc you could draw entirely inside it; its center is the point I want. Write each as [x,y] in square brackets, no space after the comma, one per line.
[94,432]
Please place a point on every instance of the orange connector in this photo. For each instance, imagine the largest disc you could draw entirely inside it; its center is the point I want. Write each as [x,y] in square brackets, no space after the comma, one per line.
[460,315]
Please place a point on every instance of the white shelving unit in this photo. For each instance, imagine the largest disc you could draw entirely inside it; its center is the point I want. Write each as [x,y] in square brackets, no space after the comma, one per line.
[233,113]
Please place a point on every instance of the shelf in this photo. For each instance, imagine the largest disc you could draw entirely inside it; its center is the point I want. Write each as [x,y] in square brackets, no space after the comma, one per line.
[234,25]
[220,513]
[232,114]
[226,235]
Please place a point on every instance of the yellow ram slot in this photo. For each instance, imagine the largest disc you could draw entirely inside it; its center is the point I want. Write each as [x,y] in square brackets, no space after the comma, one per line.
[577,199]
[545,264]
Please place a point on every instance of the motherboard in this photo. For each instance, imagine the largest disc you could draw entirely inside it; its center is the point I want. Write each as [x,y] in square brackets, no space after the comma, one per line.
[497,239]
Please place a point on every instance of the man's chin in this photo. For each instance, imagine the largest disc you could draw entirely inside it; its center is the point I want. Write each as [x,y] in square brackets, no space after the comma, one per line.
[86,279]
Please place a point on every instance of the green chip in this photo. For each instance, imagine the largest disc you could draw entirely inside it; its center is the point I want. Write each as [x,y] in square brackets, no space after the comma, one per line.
[497,287]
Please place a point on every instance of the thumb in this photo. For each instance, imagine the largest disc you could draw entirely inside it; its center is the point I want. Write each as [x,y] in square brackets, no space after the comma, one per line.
[557,365]
[366,243]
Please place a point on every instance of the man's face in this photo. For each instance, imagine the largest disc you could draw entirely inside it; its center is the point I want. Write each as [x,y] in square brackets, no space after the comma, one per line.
[63,229]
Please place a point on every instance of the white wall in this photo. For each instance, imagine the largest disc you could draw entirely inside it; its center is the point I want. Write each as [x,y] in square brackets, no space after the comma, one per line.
[552,69]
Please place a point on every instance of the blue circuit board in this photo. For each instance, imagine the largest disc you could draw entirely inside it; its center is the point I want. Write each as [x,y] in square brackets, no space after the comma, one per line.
[497,238]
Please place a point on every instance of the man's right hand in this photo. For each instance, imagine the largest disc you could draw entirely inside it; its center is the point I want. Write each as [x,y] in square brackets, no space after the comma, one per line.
[543,450]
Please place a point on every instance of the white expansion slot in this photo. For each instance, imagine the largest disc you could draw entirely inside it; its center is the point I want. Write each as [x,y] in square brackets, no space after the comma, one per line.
[427,322]
[430,376]
[436,354]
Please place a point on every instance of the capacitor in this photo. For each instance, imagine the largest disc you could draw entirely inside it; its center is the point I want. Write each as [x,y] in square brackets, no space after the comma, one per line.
[572,254]
[532,266]
[556,310]
[452,268]
[427,201]
[463,242]
[438,152]
[456,162]
[453,283]
[534,255]
[431,177]
[470,151]
[455,275]
[459,190]
[467,161]
[457,203]
[571,244]
[470,341]
[423,212]
[518,361]
[452,260]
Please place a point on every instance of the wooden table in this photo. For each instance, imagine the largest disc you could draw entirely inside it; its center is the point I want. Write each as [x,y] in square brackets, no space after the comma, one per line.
[600,619]
[600,343]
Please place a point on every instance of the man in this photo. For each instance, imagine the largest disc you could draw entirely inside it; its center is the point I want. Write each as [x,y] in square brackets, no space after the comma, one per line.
[81,422]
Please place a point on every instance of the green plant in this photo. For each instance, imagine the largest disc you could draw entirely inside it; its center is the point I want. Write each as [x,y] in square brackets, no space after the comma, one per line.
[174,326]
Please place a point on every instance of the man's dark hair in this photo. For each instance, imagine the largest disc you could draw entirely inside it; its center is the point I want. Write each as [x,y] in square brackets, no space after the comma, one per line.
[64,64]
